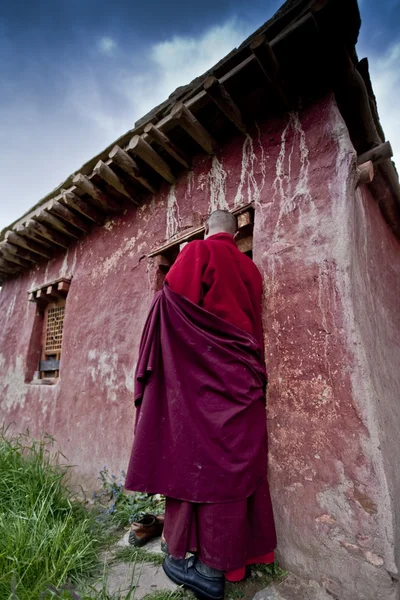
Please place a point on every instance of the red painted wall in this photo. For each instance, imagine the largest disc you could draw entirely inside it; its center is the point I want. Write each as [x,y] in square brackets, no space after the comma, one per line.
[331,270]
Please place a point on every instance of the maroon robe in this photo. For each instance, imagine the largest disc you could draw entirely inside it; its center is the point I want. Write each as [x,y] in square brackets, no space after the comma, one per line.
[201,430]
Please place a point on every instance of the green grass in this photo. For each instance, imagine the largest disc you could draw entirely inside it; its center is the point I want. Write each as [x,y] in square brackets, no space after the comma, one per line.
[138,554]
[121,508]
[46,538]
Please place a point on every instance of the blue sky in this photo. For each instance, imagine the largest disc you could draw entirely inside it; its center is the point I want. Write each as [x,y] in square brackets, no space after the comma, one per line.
[76,74]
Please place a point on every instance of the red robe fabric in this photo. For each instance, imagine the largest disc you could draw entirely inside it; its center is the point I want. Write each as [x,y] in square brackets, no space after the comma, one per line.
[215,275]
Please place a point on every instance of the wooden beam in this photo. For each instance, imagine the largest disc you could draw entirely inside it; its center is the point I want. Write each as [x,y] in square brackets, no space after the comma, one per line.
[139,147]
[185,119]
[87,210]
[163,262]
[8,268]
[195,102]
[245,244]
[162,140]
[127,164]
[194,234]
[47,233]
[376,155]
[51,293]
[27,244]
[108,175]
[244,219]
[218,94]
[55,223]
[63,287]
[365,173]
[14,259]
[19,252]
[98,197]
[266,58]
[65,214]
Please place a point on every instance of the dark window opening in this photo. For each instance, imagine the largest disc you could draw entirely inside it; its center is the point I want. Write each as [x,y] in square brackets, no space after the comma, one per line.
[51,303]
[167,254]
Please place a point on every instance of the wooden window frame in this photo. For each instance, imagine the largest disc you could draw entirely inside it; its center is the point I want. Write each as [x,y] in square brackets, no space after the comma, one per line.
[166,254]
[49,297]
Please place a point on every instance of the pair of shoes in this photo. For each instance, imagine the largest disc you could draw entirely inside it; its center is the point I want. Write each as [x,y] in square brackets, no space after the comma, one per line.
[147,528]
[206,583]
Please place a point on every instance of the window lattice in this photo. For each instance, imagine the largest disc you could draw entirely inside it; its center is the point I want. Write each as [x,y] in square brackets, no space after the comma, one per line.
[54,330]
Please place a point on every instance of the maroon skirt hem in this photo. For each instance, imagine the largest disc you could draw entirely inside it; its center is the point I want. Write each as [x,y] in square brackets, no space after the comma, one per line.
[225,536]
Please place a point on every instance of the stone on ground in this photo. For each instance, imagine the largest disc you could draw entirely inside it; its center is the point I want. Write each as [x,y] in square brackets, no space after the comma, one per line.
[292,588]
[147,577]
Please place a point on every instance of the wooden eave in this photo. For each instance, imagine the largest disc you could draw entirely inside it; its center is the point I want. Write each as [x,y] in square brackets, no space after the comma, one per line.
[305,50]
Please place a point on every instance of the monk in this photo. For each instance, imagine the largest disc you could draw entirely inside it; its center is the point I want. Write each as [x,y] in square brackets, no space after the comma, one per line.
[200,434]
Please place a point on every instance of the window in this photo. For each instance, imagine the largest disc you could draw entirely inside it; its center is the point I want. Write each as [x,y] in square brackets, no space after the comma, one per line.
[167,254]
[51,302]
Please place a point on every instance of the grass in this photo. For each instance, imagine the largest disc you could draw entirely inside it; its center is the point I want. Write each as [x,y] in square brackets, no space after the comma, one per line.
[46,538]
[138,554]
[121,508]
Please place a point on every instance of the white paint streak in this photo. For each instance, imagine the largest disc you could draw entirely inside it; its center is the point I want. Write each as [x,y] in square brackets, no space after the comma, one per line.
[248,189]
[189,184]
[173,218]
[73,266]
[217,186]
[129,378]
[262,163]
[110,263]
[64,266]
[299,198]
[12,391]
[104,371]
[10,308]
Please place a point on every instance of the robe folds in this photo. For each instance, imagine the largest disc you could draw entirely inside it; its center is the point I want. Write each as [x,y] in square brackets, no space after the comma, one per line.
[200,432]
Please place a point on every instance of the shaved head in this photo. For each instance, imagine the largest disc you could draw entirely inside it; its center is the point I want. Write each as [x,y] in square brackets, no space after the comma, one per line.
[220,221]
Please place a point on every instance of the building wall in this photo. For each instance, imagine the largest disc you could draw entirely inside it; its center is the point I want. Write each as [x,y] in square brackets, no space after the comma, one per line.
[330,312]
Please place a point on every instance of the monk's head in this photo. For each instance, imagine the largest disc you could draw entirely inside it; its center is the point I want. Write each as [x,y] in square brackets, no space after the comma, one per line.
[220,221]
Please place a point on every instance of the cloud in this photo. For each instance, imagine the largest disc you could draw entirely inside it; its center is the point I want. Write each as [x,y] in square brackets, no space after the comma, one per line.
[107,45]
[385,76]
[165,67]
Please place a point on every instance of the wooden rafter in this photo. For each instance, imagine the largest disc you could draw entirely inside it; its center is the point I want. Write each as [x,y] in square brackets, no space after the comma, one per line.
[65,214]
[193,127]
[127,164]
[27,244]
[8,268]
[71,200]
[57,224]
[140,148]
[376,155]
[14,259]
[222,99]
[365,173]
[19,252]
[162,140]
[39,230]
[96,195]
[110,178]
[269,65]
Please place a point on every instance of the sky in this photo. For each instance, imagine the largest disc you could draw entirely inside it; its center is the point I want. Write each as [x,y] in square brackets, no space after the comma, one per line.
[77,74]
